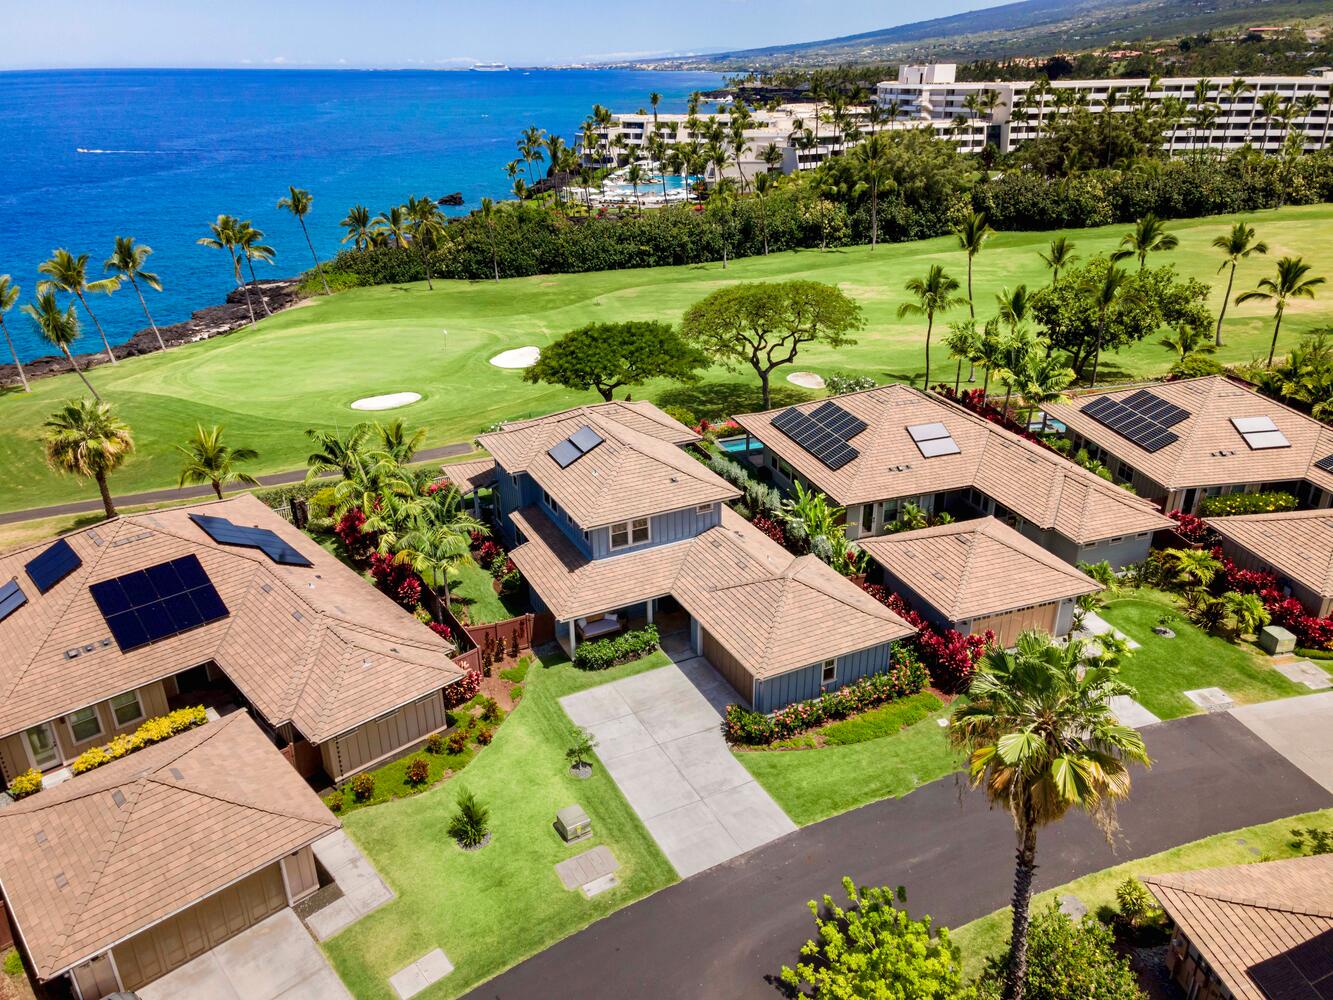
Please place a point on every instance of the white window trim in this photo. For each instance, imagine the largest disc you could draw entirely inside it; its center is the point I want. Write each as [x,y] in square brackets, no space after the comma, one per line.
[828,665]
[55,743]
[138,704]
[97,716]
[629,533]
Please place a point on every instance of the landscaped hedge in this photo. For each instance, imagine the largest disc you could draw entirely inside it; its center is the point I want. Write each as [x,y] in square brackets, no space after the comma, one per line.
[906,677]
[153,731]
[1246,503]
[278,497]
[603,653]
[25,784]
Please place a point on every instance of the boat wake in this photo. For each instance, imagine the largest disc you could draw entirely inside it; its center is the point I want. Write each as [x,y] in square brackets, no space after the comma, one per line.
[125,152]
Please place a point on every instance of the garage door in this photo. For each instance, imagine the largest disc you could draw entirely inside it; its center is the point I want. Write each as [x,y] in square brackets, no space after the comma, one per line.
[728,666]
[201,928]
[1007,626]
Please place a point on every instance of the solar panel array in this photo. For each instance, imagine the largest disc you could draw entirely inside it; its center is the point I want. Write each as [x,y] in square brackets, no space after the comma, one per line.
[823,432]
[1260,433]
[159,602]
[225,532]
[1325,463]
[55,563]
[933,440]
[1142,417]
[565,453]
[12,598]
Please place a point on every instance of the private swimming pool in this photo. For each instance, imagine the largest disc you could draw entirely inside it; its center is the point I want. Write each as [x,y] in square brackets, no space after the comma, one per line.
[739,445]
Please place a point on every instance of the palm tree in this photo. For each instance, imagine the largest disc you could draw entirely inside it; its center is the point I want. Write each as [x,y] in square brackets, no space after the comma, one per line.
[654,99]
[635,176]
[343,454]
[721,203]
[58,327]
[1247,611]
[298,202]
[1291,283]
[488,217]
[1236,246]
[249,245]
[963,343]
[871,161]
[1188,340]
[1016,356]
[437,541]
[1013,307]
[393,225]
[127,263]
[972,234]
[1234,91]
[84,437]
[208,460]
[9,294]
[763,184]
[1105,294]
[226,235]
[357,224]
[934,294]
[427,230]
[1194,569]
[1041,740]
[396,441]
[1060,254]
[1044,380]
[70,274]
[1149,236]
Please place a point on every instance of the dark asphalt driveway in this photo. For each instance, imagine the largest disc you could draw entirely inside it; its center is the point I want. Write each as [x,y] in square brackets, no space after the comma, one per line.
[721,932]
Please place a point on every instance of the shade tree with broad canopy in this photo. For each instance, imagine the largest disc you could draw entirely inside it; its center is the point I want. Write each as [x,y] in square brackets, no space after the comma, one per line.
[609,356]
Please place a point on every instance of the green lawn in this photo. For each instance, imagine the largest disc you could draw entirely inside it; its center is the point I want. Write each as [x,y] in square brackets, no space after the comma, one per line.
[490,909]
[474,589]
[814,784]
[304,367]
[1269,841]
[1163,669]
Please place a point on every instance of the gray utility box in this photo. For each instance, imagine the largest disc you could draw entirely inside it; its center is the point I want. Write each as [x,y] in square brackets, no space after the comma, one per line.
[1276,640]
[573,823]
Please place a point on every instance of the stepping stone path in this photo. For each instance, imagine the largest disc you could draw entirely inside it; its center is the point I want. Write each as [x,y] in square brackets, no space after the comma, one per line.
[1304,672]
[1130,713]
[426,971]
[594,866]
[1211,699]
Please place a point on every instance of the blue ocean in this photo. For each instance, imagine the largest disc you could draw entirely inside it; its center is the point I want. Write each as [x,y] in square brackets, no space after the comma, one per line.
[88,155]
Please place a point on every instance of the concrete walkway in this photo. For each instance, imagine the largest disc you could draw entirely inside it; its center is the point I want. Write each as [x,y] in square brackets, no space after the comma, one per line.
[362,888]
[1300,729]
[1095,625]
[276,959]
[659,736]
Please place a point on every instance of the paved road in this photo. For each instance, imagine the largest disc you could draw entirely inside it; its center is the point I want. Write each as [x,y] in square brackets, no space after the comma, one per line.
[720,933]
[191,492]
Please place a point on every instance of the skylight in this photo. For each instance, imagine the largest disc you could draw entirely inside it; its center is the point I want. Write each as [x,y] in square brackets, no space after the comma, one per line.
[933,440]
[1260,433]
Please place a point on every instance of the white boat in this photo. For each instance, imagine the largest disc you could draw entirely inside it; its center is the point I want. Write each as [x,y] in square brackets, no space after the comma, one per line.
[490,68]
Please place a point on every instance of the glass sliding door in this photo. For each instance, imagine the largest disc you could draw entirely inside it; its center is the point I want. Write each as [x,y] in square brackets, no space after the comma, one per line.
[42,746]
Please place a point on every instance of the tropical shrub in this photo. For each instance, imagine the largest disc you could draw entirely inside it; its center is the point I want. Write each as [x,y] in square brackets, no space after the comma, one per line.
[840,383]
[949,657]
[601,654]
[463,690]
[490,710]
[469,825]
[484,736]
[457,742]
[579,752]
[152,731]
[363,786]
[1247,503]
[1192,528]
[435,744]
[25,784]
[335,801]
[874,949]
[1136,904]
[418,771]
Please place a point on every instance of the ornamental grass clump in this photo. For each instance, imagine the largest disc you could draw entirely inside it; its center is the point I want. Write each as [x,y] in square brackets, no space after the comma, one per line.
[469,825]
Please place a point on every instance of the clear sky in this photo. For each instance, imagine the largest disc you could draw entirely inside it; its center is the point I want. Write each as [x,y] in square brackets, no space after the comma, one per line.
[422,33]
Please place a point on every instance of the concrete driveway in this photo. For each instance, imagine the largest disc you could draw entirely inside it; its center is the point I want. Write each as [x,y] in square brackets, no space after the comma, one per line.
[1300,729]
[276,959]
[659,736]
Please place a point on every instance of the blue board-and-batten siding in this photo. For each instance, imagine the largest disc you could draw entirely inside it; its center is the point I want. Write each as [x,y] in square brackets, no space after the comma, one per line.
[773,693]
[673,526]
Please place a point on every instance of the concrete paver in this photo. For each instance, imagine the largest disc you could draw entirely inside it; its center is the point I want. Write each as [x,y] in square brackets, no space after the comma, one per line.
[1212,699]
[650,782]
[362,888]
[1130,713]
[1300,729]
[587,867]
[425,971]
[1304,672]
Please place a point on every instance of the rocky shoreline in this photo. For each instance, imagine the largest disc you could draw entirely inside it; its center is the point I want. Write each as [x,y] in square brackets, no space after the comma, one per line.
[203,324]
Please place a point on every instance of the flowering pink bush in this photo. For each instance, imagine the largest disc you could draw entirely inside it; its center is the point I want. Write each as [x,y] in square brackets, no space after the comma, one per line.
[359,544]
[464,690]
[441,629]
[1192,528]
[949,656]
[488,552]
[1311,632]
[773,529]
[396,579]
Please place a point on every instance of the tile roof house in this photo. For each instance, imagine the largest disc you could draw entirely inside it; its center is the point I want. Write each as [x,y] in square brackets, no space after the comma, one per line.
[611,520]
[1203,437]
[906,445]
[337,672]
[1296,545]
[1261,931]
[117,875]
[980,575]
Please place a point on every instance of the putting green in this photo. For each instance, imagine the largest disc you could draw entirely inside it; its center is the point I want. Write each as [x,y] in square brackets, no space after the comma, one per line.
[305,367]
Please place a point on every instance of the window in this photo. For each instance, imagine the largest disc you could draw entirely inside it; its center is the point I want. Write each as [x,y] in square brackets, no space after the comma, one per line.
[829,673]
[126,708]
[868,517]
[550,502]
[629,533]
[84,724]
[704,508]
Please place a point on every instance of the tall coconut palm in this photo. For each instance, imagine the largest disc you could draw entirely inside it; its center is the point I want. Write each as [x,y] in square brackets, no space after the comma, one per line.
[972,235]
[396,441]
[635,176]
[1041,740]
[1060,254]
[393,225]
[1104,295]
[358,226]
[763,184]
[427,228]
[1148,236]
[344,454]
[1291,283]
[127,263]
[9,295]
[1014,307]
[1186,341]
[70,274]
[249,245]
[1016,357]
[59,327]
[85,438]
[226,233]
[935,294]
[1044,380]
[721,205]
[964,344]
[1269,108]
[299,202]
[1236,246]
[209,460]
[654,99]
[871,162]
[438,540]
[488,219]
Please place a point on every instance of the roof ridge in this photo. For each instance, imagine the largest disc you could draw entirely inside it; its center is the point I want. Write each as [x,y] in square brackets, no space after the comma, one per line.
[971,543]
[1238,899]
[233,800]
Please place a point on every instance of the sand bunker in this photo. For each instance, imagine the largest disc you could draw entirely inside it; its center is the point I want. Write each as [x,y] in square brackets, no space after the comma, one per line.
[390,401]
[806,380]
[519,357]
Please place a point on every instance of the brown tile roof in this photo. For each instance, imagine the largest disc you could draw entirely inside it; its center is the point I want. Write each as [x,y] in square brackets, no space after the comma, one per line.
[974,568]
[639,415]
[467,477]
[316,645]
[107,854]
[632,473]
[1040,486]
[1266,929]
[1210,451]
[771,610]
[1297,543]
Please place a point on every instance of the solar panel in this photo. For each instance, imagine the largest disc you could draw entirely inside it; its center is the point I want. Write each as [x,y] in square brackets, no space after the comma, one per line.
[564,454]
[1325,463]
[55,563]
[1141,418]
[12,598]
[1155,407]
[928,432]
[937,447]
[585,439]
[159,602]
[838,420]
[272,544]
[824,442]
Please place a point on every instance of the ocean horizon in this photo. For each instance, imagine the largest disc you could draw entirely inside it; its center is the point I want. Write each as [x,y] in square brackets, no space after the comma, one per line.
[157,154]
